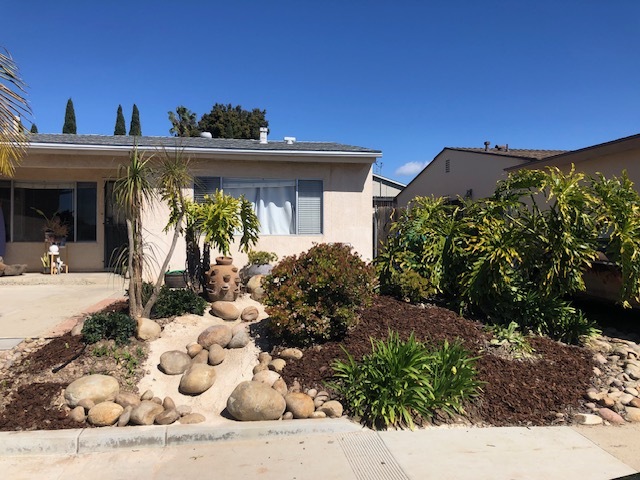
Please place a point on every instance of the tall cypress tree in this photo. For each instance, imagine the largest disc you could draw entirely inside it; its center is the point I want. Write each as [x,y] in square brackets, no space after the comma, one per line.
[134,127]
[34,128]
[121,128]
[69,119]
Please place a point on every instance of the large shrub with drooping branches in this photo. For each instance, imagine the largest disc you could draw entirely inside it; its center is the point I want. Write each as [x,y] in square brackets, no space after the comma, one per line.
[518,255]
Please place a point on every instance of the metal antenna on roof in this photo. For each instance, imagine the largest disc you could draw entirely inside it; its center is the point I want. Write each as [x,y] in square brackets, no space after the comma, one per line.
[378,168]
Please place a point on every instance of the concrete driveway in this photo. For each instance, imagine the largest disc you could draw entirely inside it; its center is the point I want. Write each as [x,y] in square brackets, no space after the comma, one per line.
[36,305]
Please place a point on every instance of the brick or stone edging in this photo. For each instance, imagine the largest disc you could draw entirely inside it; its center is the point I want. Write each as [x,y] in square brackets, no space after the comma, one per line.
[88,440]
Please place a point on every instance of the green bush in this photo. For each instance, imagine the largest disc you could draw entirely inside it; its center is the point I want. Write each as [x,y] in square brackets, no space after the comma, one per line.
[116,326]
[520,254]
[316,297]
[177,302]
[401,379]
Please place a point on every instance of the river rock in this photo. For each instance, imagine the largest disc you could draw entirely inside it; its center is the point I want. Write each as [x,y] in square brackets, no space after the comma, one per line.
[264,357]
[148,329]
[104,414]
[291,354]
[197,379]
[193,349]
[300,404]
[254,283]
[184,410]
[202,357]
[277,365]
[124,399]
[632,414]
[332,408]
[280,386]
[318,414]
[260,367]
[174,362]
[249,314]
[218,334]
[268,377]
[635,402]
[240,340]
[123,421]
[255,401]
[225,310]
[587,419]
[610,416]
[77,414]
[168,403]
[98,388]
[147,395]
[87,404]
[145,413]
[633,372]
[167,417]
[216,354]
[192,418]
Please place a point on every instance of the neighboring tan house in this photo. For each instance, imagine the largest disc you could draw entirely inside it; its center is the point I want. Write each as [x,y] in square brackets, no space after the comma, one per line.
[609,158]
[305,192]
[468,172]
[385,191]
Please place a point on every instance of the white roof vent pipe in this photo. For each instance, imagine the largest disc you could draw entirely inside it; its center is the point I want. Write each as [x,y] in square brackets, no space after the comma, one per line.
[290,140]
[263,134]
[206,135]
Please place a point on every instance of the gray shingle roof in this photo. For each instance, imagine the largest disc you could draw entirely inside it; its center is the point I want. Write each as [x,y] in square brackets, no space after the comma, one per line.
[192,142]
[514,152]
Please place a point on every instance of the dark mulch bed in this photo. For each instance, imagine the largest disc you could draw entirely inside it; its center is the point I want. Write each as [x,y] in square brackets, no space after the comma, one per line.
[517,392]
[30,393]
[527,392]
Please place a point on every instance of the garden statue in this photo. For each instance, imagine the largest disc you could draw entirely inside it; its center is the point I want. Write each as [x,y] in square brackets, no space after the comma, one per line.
[222,282]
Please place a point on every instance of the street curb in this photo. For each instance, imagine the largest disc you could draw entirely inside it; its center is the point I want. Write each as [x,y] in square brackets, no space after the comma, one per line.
[88,440]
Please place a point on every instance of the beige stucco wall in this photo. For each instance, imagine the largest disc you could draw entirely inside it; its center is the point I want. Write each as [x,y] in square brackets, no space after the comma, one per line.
[347,206]
[346,209]
[383,189]
[468,170]
[609,165]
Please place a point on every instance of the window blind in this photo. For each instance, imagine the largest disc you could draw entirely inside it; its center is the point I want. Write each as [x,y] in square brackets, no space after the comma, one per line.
[309,207]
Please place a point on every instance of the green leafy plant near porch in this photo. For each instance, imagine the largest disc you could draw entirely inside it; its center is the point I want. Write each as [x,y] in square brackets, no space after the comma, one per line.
[400,379]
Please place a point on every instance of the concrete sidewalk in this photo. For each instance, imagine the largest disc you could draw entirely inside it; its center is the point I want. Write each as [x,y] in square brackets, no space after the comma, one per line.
[36,305]
[298,450]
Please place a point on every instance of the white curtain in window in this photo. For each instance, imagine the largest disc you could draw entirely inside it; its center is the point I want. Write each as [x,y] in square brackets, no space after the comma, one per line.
[273,201]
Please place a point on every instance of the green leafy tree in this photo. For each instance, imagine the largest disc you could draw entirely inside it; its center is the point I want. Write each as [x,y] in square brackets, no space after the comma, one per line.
[120,128]
[183,123]
[227,121]
[13,140]
[34,128]
[69,119]
[134,127]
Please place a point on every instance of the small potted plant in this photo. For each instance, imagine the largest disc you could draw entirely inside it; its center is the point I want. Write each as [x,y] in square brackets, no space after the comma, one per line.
[259,264]
[175,279]
[55,231]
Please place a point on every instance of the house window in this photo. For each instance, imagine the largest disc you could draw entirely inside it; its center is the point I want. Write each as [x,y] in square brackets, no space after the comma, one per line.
[52,199]
[283,206]
[447,166]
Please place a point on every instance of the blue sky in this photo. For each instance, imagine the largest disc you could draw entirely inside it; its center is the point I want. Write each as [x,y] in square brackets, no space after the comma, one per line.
[405,77]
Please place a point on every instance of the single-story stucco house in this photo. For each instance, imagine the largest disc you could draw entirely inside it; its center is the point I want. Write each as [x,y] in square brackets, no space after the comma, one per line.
[305,192]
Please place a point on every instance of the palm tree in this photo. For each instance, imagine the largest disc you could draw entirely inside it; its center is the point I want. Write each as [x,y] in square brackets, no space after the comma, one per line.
[133,191]
[13,138]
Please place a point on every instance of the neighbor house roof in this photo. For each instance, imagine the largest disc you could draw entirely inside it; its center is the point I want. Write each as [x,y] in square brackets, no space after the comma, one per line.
[194,144]
[529,154]
[594,151]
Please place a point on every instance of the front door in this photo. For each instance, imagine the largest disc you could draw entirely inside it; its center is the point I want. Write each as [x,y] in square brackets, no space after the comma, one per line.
[115,232]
